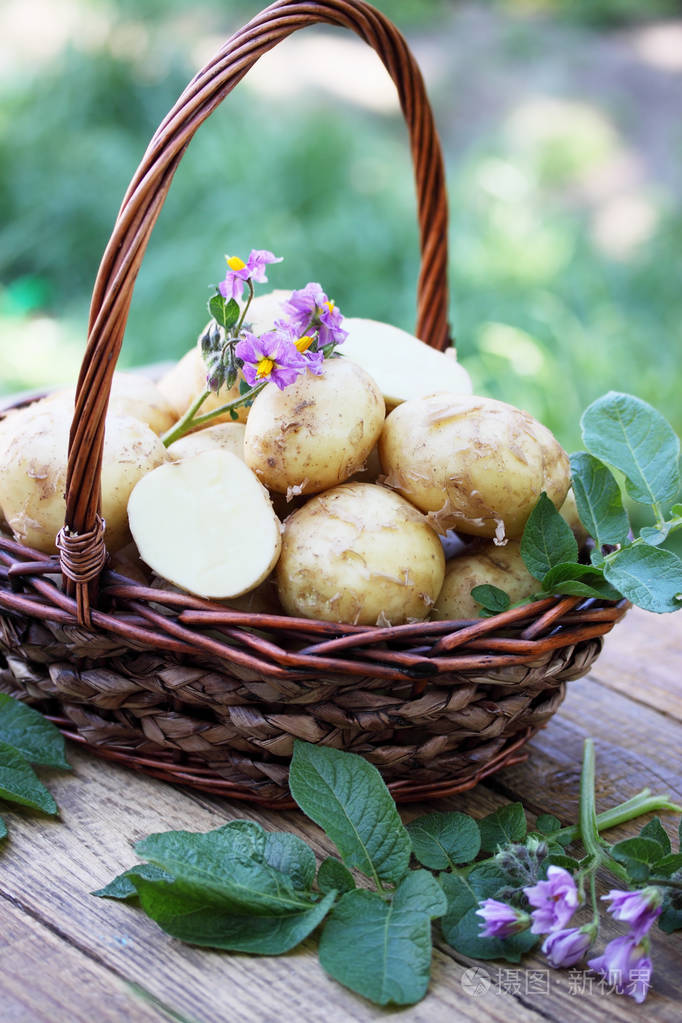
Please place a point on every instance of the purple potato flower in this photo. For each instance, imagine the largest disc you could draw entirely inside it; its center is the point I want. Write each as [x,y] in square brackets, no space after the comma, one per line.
[314,359]
[501,920]
[239,272]
[639,909]
[270,357]
[626,965]
[568,946]
[310,308]
[554,900]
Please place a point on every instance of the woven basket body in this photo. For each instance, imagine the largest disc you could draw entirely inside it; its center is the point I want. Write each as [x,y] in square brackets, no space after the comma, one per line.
[192,692]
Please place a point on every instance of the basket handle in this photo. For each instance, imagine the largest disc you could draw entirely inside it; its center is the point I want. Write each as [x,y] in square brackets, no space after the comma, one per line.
[82,550]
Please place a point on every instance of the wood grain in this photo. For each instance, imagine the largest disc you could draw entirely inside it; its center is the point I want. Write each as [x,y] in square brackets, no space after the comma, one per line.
[49,867]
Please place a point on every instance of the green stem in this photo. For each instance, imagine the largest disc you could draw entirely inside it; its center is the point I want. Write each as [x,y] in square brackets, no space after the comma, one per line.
[636,806]
[587,821]
[186,422]
[667,881]
[214,413]
[245,310]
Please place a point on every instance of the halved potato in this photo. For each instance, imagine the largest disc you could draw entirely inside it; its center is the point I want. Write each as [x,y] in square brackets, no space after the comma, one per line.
[206,524]
[402,365]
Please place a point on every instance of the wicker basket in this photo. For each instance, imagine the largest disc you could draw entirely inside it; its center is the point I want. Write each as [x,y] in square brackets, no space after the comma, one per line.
[184,689]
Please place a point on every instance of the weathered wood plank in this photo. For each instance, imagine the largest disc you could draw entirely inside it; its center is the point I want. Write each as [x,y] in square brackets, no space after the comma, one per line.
[642,659]
[44,979]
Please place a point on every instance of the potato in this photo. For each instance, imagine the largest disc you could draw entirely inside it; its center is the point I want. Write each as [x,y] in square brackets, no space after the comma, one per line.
[206,524]
[492,564]
[402,365]
[359,554]
[187,379]
[475,464]
[315,433]
[222,436]
[33,457]
[132,394]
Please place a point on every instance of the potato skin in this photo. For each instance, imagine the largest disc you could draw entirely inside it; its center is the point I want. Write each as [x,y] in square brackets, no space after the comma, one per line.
[474,464]
[225,436]
[315,433]
[132,394]
[359,554]
[33,458]
[495,565]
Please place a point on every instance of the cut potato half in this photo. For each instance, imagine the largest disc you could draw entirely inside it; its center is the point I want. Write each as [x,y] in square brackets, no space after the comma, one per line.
[206,524]
[402,365]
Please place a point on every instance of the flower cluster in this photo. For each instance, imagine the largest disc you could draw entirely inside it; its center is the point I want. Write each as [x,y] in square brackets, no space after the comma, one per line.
[298,342]
[625,962]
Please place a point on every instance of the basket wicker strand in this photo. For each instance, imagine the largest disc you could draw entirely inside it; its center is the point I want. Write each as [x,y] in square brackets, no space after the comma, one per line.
[198,694]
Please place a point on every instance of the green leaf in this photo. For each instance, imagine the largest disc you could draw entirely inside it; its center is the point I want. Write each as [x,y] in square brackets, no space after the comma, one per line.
[491,598]
[232,314]
[3,829]
[37,739]
[547,824]
[668,865]
[637,856]
[461,924]
[441,840]
[185,912]
[20,784]
[347,797]
[629,434]
[654,829]
[505,825]
[579,581]
[655,535]
[671,918]
[598,499]
[226,868]
[216,307]
[381,949]
[244,387]
[333,876]
[292,856]
[547,539]
[649,577]
[560,859]
[122,887]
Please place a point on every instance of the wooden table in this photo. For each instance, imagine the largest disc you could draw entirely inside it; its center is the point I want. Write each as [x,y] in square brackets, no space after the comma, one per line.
[67,957]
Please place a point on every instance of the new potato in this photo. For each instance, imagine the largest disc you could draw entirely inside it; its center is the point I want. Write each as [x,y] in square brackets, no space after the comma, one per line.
[186,380]
[33,457]
[315,433]
[475,464]
[361,554]
[488,564]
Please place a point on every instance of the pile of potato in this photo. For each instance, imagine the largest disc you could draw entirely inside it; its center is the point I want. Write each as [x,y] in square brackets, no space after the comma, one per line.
[316,502]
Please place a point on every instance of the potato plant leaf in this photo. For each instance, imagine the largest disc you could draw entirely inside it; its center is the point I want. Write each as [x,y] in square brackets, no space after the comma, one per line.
[20,784]
[598,500]
[182,910]
[461,924]
[626,432]
[504,825]
[333,876]
[578,580]
[347,797]
[491,598]
[650,577]
[547,539]
[32,735]
[394,969]
[441,840]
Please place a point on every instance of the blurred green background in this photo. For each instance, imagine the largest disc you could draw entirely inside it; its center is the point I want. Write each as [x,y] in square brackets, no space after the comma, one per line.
[562,137]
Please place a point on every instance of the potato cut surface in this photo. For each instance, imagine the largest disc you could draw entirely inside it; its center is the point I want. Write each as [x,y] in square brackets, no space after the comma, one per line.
[206,524]
[402,365]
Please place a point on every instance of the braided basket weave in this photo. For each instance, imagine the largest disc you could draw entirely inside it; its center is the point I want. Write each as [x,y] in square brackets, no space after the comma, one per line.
[191,692]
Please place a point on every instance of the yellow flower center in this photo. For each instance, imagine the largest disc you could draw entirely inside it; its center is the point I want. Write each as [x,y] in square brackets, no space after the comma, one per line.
[265,366]
[303,343]
[235,263]
[330,305]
